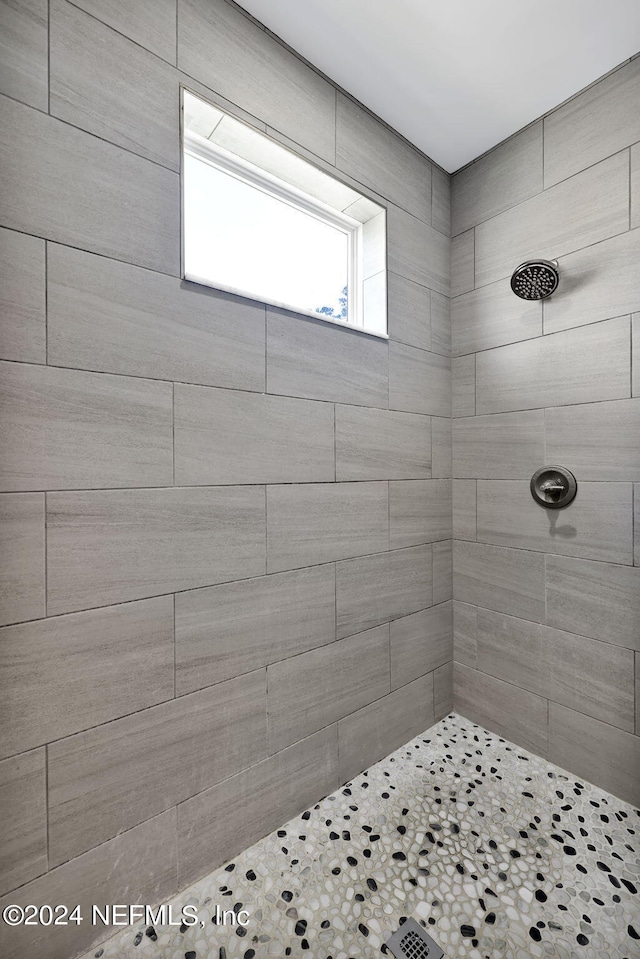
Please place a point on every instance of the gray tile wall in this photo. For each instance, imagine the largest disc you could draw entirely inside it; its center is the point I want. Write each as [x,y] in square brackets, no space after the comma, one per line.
[225,530]
[546,604]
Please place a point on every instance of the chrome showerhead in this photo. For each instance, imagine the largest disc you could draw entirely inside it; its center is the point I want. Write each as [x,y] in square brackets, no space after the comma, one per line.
[535,279]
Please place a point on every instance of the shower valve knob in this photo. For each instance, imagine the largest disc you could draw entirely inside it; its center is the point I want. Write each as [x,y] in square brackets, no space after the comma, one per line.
[553,487]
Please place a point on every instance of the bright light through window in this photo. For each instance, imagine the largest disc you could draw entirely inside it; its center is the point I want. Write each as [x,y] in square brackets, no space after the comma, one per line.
[261,222]
[243,239]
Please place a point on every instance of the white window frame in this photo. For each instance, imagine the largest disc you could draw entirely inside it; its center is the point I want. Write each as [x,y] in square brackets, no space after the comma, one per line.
[226,162]
[307,187]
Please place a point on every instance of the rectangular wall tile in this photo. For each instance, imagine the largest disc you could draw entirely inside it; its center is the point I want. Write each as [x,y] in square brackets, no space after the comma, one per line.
[442,571]
[418,252]
[504,445]
[557,221]
[463,386]
[106,315]
[420,643]
[602,281]
[138,866]
[419,382]
[383,587]
[227,436]
[501,179]
[313,690]
[576,366]
[224,631]
[507,580]
[323,361]
[597,441]
[153,26]
[112,546]
[376,156]
[592,677]
[440,447]
[24,70]
[441,201]
[106,780]
[465,634]
[23,807]
[85,56]
[464,509]
[318,523]
[376,444]
[600,600]
[134,216]
[462,263]
[602,754]
[221,822]
[597,525]
[45,699]
[419,512]
[492,316]
[22,300]
[409,312]
[22,563]
[373,732]
[224,50]
[593,125]
[67,429]
[507,710]
[443,691]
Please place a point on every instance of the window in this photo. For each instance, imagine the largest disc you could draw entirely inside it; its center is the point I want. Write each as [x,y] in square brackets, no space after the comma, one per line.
[260,221]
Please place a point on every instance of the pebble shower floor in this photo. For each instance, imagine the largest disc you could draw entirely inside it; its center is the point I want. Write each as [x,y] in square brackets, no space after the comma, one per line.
[497,852]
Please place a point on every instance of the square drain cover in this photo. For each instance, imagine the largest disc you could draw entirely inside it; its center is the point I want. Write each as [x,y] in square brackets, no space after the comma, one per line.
[411,941]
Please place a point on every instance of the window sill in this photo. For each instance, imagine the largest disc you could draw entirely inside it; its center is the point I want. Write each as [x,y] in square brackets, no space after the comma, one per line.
[323,318]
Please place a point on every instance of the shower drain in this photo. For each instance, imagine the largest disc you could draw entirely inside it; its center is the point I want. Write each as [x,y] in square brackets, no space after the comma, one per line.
[410,941]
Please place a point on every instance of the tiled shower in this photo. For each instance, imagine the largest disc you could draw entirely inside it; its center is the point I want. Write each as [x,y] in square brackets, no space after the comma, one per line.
[246,555]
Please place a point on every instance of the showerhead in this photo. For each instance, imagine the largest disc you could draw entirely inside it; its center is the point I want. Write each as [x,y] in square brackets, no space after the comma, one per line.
[535,279]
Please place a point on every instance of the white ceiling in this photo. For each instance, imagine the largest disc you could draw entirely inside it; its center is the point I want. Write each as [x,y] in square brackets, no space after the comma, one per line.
[455,77]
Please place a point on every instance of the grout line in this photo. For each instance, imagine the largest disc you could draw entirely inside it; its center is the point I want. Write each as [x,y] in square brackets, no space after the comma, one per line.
[331,483]
[174,646]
